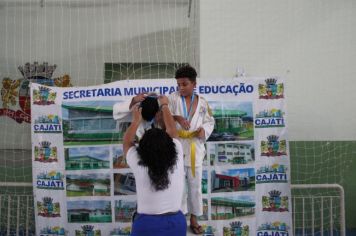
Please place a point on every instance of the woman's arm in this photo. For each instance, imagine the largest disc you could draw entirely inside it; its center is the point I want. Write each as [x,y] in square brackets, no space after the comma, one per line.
[167,117]
[129,136]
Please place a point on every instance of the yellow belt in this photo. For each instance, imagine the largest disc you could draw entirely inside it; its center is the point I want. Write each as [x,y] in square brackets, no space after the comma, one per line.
[185,134]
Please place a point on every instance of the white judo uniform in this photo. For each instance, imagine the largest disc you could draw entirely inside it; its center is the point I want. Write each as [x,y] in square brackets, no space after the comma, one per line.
[202,117]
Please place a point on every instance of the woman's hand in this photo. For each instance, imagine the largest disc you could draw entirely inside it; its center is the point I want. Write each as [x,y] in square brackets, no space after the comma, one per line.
[162,100]
[136,114]
[139,98]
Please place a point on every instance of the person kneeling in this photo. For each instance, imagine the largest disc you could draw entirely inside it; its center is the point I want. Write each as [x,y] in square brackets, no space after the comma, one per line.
[158,166]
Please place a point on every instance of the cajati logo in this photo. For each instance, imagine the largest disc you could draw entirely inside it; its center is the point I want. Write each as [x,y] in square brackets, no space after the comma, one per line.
[269,118]
[273,229]
[52,180]
[48,124]
[275,173]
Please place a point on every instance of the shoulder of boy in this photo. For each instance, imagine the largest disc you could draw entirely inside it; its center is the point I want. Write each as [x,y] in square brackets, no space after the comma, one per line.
[210,112]
[206,105]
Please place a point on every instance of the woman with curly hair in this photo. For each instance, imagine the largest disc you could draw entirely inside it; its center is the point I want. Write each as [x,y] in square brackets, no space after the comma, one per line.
[158,166]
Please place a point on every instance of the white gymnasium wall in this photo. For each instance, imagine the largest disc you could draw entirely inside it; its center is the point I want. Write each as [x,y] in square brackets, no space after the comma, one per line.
[81,35]
[310,43]
[194,35]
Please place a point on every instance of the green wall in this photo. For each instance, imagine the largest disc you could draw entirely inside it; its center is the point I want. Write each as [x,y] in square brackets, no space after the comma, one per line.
[327,162]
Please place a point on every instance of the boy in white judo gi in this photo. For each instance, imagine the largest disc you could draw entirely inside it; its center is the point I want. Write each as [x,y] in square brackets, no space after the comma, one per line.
[195,123]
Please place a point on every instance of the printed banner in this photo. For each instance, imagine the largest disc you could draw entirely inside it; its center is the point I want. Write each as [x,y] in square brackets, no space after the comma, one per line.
[83,185]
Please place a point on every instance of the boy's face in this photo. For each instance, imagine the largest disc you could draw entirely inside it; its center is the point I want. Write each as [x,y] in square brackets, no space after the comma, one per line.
[185,86]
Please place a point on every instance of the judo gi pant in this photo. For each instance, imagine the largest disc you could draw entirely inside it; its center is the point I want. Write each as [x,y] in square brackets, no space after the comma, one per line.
[193,198]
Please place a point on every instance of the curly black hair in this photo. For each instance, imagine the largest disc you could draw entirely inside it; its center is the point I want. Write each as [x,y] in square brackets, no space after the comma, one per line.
[187,71]
[157,152]
[149,108]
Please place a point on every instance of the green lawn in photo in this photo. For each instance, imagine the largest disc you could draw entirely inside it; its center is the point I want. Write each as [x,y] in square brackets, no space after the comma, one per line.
[99,219]
[86,193]
[88,143]
[248,134]
[87,168]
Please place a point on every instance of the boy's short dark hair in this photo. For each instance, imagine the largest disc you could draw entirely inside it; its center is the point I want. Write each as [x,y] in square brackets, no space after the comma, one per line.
[149,108]
[187,71]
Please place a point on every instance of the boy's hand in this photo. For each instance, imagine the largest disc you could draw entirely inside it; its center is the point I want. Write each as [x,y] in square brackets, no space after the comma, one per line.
[183,122]
[136,114]
[201,133]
